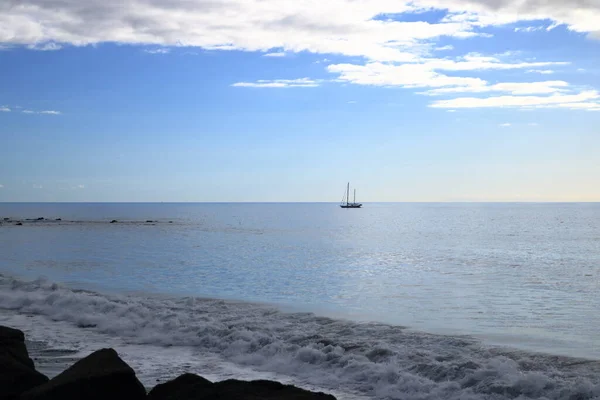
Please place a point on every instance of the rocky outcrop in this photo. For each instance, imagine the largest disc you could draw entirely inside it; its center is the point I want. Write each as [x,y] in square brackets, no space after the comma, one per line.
[183,387]
[100,376]
[194,387]
[17,372]
[103,375]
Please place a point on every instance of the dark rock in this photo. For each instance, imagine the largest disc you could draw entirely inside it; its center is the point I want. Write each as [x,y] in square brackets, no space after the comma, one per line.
[7,219]
[194,387]
[58,219]
[100,376]
[17,373]
[170,222]
[114,221]
[254,390]
[19,223]
[40,219]
[187,386]
[149,220]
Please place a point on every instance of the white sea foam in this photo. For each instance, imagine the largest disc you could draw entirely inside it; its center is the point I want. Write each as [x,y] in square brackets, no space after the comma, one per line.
[222,339]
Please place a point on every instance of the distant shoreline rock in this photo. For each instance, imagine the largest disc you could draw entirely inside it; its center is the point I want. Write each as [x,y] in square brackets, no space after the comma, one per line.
[103,375]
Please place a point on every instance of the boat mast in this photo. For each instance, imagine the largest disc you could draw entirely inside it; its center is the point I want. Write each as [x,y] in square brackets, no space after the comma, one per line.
[348,194]
[354,196]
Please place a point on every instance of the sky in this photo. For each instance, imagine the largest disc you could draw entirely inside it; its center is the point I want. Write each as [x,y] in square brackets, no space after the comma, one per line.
[286,100]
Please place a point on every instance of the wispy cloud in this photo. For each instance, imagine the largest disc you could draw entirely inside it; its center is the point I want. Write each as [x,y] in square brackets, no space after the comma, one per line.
[515,88]
[445,48]
[533,124]
[5,109]
[48,46]
[427,72]
[278,54]
[506,125]
[37,186]
[352,102]
[588,100]
[46,112]
[163,50]
[1,186]
[530,29]
[279,83]
[540,71]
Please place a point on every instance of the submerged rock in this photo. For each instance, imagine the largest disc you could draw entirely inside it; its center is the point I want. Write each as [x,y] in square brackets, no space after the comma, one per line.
[19,223]
[17,372]
[194,387]
[101,375]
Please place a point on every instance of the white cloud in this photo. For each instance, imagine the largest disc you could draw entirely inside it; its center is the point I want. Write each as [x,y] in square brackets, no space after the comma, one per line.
[445,48]
[540,71]
[515,88]
[163,50]
[395,53]
[279,54]
[46,112]
[80,186]
[506,125]
[578,15]
[348,27]
[425,72]
[530,29]
[4,109]
[352,102]
[583,100]
[279,83]
[48,46]
[335,27]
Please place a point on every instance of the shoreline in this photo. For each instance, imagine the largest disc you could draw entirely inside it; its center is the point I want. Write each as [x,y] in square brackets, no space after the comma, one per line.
[222,340]
[499,342]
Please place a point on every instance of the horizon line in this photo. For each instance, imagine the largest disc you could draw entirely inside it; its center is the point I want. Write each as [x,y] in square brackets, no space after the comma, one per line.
[311,202]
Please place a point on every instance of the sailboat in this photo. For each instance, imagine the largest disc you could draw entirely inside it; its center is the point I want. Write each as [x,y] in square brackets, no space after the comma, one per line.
[347,203]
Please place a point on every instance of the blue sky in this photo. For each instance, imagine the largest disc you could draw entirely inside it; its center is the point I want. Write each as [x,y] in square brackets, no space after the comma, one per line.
[461,100]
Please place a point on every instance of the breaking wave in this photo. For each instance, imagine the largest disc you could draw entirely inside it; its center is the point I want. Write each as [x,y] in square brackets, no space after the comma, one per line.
[375,360]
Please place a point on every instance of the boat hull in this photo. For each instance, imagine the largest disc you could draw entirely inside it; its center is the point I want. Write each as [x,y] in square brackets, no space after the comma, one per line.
[351,205]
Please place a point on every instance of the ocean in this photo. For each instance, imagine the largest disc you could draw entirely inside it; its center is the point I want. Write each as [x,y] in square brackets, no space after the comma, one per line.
[392,301]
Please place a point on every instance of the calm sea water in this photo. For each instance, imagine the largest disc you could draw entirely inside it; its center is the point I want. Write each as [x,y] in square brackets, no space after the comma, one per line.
[523,276]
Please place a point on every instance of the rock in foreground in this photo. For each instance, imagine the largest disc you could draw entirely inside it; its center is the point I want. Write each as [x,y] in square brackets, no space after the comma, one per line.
[17,372]
[103,375]
[100,376]
[194,387]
